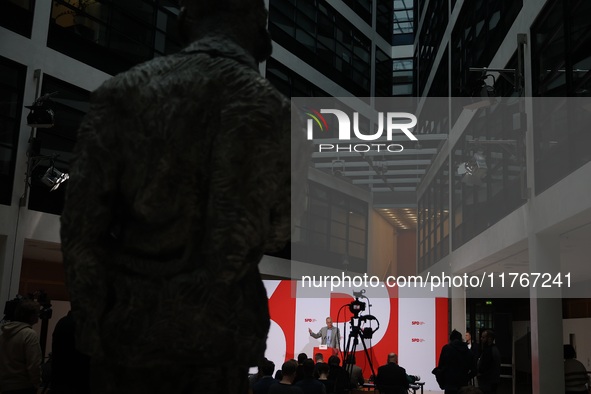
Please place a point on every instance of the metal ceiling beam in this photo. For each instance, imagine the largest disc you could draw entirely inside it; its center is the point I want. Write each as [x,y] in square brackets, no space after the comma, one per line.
[389,163]
[381,181]
[341,154]
[396,189]
[389,172]
[384,140]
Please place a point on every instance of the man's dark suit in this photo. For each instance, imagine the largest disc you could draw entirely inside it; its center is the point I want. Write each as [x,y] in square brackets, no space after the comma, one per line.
[391,379]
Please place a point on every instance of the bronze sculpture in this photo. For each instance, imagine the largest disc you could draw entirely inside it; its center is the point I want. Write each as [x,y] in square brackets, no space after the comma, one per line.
[180,184]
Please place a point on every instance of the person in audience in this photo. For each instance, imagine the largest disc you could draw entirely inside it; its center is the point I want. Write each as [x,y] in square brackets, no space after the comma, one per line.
[391,378]
[489,364]
[470,390]
[308,384]
[20,352]
[355,372]
[300,369]
[456,364]
[338,377]
[323,371]
[70,373]
[474,348]
[576,379]
[285,385]
[472,344]
[318,359]
[255,377]
[266,369]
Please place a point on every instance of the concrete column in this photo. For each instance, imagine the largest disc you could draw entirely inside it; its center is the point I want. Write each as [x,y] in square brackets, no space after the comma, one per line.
[546,318]
[458,309]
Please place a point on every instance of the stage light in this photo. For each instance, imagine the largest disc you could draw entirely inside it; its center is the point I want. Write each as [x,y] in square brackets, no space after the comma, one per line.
[487,90]
[338,168]
[54,178]
[473,170]
[41,115]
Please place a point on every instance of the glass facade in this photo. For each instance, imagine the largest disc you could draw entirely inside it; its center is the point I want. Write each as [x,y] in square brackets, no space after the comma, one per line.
[440,84]
[362,8]
[333,231]
[479,31]
[478,203]
[403,22]
[434,25]
[561,138]
[385,19]
[561,67]
[17,16]
[290,83]
[433,220]
[383,80]
[402,77]
[561,60]
[323,38]
[12,84]
[113,36]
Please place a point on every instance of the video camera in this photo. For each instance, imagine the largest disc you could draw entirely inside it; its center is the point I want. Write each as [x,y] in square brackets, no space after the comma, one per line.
[356,307]
[45,302]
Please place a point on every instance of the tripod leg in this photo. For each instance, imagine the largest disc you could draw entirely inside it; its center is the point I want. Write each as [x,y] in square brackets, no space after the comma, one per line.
[350,350]
[368,357]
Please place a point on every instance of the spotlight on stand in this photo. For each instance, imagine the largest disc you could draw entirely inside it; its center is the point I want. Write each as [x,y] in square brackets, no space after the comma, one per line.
[473,170]
[486,90]
[54,177]
[483,94]
[41,115]
[338,168]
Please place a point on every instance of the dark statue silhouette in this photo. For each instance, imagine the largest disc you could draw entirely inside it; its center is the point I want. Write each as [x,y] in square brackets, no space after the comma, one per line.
[179,185]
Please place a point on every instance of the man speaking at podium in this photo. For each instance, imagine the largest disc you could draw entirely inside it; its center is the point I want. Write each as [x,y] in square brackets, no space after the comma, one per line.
[330,335]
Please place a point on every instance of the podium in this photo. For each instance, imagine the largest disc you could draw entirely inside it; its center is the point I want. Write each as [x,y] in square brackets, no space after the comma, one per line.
[326,353]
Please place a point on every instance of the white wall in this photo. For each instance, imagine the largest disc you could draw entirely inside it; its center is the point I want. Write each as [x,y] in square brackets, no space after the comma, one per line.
[381,246]
[579,327]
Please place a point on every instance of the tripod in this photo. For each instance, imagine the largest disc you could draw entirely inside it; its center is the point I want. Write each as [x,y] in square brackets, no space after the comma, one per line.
[355,335]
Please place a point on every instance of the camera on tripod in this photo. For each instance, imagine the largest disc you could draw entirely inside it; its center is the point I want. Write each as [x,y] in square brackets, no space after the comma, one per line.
[356,307]
[357,332]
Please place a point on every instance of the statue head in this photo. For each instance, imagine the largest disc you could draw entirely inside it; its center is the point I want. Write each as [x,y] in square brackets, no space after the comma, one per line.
[244,21]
